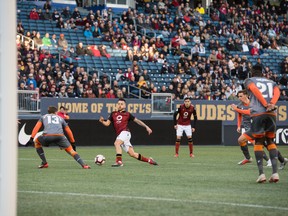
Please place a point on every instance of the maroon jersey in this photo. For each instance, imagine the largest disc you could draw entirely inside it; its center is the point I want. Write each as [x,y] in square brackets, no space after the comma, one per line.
[120,120]
[185,115]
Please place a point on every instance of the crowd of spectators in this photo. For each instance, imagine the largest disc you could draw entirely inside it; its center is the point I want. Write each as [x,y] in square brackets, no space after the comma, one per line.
[215,70]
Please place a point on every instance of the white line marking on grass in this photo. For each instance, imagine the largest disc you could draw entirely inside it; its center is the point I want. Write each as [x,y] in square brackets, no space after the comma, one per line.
[156,199]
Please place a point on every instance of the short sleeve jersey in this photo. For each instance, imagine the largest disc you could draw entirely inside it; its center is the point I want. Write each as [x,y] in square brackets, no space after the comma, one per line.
[185,114]
[246,119]
[266,87]
[120,121]
[53,124]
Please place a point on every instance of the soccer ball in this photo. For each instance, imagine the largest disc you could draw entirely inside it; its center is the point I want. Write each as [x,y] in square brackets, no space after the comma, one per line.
[100,159]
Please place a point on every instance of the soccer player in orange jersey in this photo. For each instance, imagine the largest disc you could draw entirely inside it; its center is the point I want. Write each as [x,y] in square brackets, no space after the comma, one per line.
[53,133]
[263,94]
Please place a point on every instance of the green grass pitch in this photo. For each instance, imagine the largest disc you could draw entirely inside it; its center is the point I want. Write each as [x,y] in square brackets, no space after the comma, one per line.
[210,184]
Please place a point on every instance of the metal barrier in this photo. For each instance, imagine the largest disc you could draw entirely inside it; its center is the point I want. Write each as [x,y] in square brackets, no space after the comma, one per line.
[28,101]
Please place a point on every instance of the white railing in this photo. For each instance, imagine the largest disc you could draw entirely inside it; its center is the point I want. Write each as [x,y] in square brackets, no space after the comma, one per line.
[23,37]
[28,101]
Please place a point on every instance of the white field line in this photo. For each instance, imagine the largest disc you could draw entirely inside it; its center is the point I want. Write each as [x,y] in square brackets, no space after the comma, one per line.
[159,199]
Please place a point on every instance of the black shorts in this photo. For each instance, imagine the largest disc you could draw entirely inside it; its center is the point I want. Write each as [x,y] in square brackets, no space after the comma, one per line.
[61,141]
[263,125]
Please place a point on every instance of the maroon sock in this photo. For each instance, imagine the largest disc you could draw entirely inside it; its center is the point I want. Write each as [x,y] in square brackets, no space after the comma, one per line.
[118,157]
[142,158]
[177,146]
[190,144]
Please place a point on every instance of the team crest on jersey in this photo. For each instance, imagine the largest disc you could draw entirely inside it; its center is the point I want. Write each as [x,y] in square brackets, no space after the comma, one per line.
[119,119]
[185,114]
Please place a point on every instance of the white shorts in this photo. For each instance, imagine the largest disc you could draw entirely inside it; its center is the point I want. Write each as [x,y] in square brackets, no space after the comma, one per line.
[186,128]
[125,136]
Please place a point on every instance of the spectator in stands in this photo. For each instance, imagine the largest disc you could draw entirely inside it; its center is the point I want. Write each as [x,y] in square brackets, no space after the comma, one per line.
[33,14]
[103,51]
[20,28]
[87,31]
[255,50]
[60,23]
[46,40]
[76,14]
[66,13]
[38,41]
[47,5]
[56,15]
[31,81]
[47,15]
[283,96]
[62,41]
[63,93]
[284,66]
[54,42]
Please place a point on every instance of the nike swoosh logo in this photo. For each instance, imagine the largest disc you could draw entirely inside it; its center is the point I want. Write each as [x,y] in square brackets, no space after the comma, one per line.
[23,138]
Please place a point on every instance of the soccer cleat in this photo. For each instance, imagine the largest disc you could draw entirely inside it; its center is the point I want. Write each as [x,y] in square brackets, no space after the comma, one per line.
[269,164]
[152,162]
[261,178]
[86,166]
[282,165]
[274,178]
[192,155]
[117,164]
[245,161]
[176,155]
[43,165]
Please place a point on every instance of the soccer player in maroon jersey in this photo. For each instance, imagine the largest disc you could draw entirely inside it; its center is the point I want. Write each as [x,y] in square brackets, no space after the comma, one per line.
[64,114]
[53,133]
[120,120]
[183,123]
[263,94]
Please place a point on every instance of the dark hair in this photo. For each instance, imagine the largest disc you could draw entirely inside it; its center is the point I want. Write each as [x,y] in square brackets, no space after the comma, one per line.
[62,107]
[122,99]
[52,109]
[187,98]
[243,92]
[257,71]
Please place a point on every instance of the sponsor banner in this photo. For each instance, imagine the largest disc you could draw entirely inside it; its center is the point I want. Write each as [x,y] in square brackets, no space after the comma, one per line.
[83,108]
[230,135]
[93,133]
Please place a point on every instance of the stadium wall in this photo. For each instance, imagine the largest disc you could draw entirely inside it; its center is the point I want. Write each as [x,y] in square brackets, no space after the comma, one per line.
[92,109]
[93,133]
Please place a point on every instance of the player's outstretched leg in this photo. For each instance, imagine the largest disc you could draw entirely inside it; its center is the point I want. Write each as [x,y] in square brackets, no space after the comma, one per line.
[41,154]
[141,157]
[76,157]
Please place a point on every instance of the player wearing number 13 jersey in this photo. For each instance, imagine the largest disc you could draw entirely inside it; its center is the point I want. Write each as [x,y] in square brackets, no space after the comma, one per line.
[263,94]
[53,134]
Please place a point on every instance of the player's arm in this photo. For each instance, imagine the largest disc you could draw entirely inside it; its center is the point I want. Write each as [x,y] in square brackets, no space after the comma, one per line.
[253,88]
[276,95]
[244,112]
[239,121]
[34,132]
[69,134]
[36,129]
[105,122]
[141,123]
[195,120]
[175,117]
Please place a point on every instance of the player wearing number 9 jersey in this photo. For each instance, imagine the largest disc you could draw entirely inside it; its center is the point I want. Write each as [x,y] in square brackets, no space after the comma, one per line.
[53,133]
[263,94]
